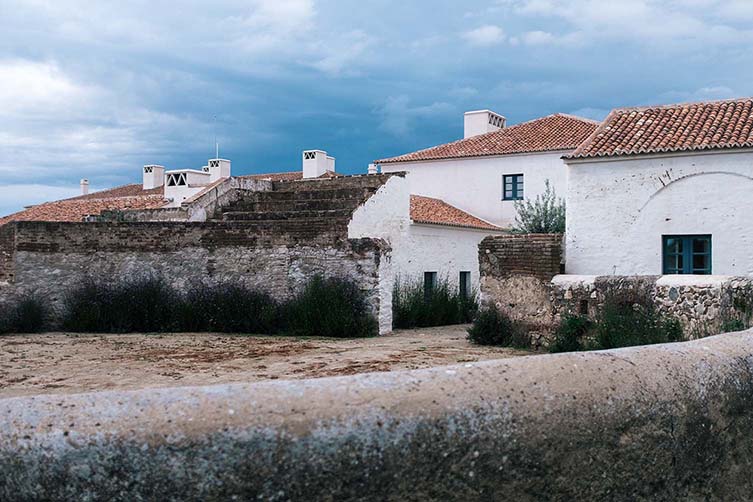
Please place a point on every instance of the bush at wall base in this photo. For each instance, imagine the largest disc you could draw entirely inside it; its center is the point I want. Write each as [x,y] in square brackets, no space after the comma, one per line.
[27,314]
[492,327]
[415,306]
[328,307]
[619,324]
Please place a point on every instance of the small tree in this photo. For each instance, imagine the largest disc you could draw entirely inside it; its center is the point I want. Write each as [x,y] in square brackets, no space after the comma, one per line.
[543,215]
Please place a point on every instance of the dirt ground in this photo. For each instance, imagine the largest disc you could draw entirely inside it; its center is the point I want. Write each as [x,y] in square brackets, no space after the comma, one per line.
[66,363]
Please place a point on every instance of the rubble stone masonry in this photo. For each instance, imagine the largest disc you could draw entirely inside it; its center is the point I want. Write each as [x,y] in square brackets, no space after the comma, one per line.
[519,275]
[276,257]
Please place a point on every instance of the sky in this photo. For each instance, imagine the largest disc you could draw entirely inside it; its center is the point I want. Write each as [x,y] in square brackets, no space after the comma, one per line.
[97,89]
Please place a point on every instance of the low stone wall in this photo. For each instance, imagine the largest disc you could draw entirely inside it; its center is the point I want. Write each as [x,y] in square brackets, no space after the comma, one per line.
[664,422]
[519,276]
[276,257]
[702,304]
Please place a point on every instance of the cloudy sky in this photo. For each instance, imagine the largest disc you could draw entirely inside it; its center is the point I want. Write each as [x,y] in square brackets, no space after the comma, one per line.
[97,89]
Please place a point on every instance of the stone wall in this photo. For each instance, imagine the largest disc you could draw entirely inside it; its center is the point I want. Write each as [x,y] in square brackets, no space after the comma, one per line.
[277,257]
[663,422]
[702,304]
[519,276]
[515,273]
[200,207]
[7,252]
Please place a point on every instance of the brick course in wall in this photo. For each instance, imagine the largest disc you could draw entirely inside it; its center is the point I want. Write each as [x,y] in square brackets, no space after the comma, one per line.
[535,255]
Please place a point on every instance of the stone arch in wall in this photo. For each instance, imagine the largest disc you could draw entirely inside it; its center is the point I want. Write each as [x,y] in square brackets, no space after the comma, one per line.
[718,203]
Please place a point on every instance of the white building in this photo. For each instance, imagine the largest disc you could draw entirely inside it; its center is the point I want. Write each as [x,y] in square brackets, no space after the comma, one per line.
[494,165]
[464,191]
[664,190]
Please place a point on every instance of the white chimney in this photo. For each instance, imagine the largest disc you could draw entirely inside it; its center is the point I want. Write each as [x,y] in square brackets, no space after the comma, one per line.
[481,122]
[316,163]
[84,186]
[217,168]
[154,176]
[373,169]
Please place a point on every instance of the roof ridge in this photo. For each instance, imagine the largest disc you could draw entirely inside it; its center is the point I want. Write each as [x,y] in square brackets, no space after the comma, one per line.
[575,117]
[681,104]
[549,137]
[694,126]
[467,213]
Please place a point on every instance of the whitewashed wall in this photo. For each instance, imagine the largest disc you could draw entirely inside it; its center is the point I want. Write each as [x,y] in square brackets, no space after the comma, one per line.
[475,184]
[416,248]
[618,210]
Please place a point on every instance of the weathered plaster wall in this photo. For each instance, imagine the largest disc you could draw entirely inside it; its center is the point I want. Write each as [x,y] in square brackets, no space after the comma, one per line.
[618,210]
[664,422]
[475,185]
[417,248]
[276,257]
[516,271]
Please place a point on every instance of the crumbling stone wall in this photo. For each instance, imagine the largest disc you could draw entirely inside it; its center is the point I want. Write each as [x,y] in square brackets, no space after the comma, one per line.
[702,304]
[198,208]
[7,252]
[515,271]
[519,275]
[277,257]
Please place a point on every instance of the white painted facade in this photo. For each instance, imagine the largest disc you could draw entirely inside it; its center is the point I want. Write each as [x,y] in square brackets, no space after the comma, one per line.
[618,209]
[181,184]
[417,248]
[475,184]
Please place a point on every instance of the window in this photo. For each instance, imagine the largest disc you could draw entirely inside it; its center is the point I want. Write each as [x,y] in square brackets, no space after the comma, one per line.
[430,282]
[687,254]
[512,187]
[465,284]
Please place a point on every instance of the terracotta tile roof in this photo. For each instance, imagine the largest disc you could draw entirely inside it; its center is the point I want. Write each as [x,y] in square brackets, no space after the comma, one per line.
[551,133]
[438,212]
[76,209]
[672,128]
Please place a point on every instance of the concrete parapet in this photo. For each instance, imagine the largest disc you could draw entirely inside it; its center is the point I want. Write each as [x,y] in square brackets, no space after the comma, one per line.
[645,423]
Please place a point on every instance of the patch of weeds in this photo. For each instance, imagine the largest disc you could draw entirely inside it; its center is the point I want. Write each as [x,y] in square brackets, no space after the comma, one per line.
[492,327]
[571,334]
[442,305]
[330,307]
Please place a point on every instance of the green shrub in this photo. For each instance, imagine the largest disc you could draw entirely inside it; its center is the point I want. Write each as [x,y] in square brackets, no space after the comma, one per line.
[228,308]
[140,305]
[732,325]
[492,327]
[570,334]
[543,215]
[28,314]
[442,305]
[330,307]
[626,324]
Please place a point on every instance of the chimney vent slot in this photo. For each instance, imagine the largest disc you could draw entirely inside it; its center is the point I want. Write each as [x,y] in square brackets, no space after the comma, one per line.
[148,169]
[309,155]
[176,180]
